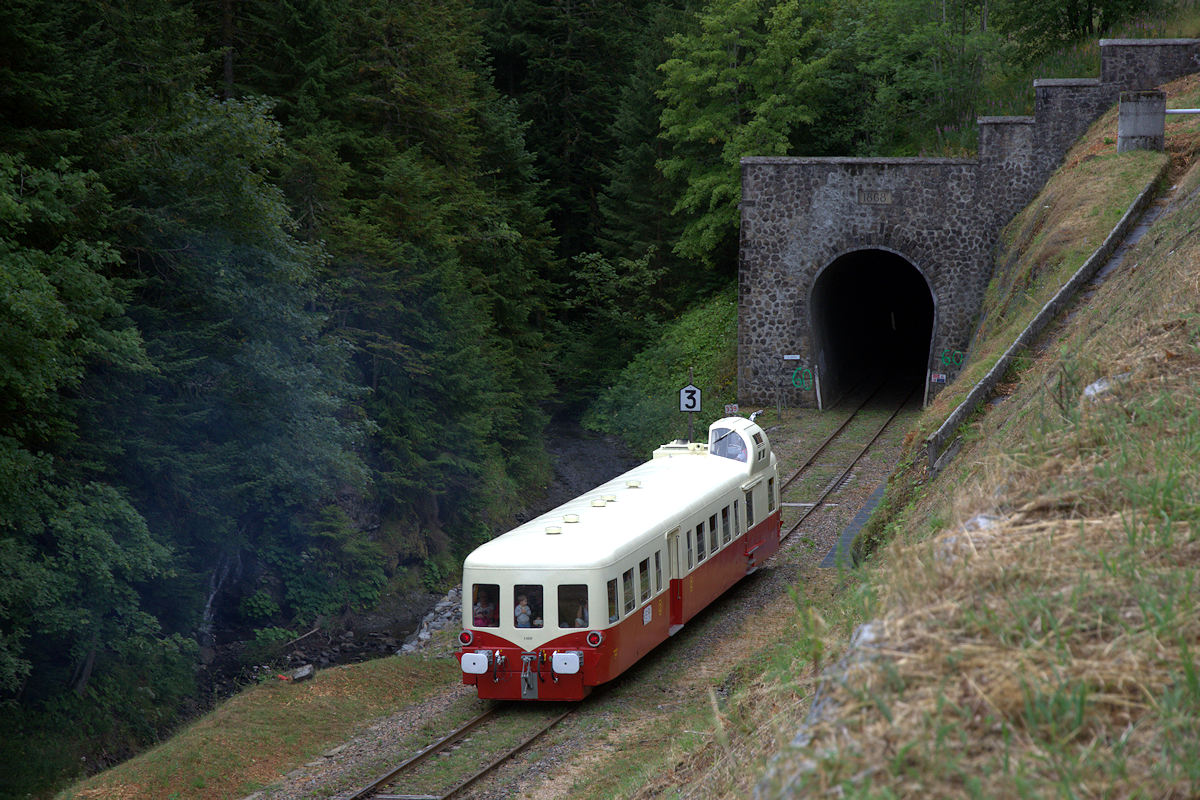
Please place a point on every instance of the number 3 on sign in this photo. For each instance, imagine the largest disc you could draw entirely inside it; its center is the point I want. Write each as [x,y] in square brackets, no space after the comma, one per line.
[689,398]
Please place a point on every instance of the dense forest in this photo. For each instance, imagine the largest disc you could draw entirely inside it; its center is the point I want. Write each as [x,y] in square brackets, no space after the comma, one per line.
[290,290]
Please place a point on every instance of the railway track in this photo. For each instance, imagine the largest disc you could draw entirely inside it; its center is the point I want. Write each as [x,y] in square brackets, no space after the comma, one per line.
[478,746]
[837,437]
[454,763]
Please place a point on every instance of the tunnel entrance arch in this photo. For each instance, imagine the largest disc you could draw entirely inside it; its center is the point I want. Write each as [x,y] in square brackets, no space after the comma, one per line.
[872,313]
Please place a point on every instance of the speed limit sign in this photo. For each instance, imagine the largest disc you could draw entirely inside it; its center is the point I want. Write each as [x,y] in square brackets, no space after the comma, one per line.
[689,398]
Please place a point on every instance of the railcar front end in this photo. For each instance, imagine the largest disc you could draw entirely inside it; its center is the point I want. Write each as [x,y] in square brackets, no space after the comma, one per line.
[553,651]
[570,600]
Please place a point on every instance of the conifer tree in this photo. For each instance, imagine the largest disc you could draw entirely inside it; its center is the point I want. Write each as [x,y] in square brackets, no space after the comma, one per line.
[741,82]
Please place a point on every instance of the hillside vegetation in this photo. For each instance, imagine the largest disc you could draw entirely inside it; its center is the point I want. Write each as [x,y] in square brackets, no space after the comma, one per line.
[290,291]
[640,406]
[1030,624]
[1032,627]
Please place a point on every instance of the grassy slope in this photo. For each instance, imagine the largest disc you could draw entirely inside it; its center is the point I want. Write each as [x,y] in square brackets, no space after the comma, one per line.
[253,738]
[1046,243]
[1053,651]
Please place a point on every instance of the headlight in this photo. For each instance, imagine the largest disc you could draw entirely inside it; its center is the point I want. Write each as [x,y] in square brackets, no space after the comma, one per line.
[565,663]
[475,663]
[594,638]
[465,638]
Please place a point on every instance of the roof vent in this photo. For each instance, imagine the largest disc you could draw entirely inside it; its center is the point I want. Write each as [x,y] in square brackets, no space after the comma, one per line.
[598,503]
[570,518]
[633,484]
[610,498]
[553,530]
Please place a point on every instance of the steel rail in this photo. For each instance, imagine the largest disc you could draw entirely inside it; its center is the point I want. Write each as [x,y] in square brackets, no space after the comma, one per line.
[497,762]
[821,448]
[370,789]
[838,480]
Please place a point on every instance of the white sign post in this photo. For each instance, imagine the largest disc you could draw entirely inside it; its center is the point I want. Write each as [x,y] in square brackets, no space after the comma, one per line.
[689,401]
[689,398]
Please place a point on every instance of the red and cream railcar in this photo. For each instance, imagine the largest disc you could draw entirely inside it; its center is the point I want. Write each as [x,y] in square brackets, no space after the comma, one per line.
[573,598]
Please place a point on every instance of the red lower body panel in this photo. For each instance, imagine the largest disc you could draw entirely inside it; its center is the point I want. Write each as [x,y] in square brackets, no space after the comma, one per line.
[517,674]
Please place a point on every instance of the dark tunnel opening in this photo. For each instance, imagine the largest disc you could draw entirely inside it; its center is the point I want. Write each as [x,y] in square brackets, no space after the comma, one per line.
[872,315]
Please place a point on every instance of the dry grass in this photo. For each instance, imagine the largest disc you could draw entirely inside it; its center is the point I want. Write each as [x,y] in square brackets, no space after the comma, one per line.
[1028,659]
[1049,649]
[743,730]
[1052,652]
[1046,244]
[254,738]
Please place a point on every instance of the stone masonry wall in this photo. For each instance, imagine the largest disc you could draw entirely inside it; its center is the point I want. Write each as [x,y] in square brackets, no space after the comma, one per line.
[926,210]
[942,215]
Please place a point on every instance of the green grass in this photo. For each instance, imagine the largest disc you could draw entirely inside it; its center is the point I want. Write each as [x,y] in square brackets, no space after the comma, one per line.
[1055,654]
[254,738]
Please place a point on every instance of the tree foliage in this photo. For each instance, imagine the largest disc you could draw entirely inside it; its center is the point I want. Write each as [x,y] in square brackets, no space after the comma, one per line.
[740,83]
[271,272]
[1033,29]
[289,289]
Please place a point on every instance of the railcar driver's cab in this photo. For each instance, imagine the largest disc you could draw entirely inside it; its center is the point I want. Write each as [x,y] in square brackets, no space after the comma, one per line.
[739,439]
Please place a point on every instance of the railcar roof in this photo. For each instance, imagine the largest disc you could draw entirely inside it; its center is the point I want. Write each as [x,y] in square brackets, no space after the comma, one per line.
[669,489]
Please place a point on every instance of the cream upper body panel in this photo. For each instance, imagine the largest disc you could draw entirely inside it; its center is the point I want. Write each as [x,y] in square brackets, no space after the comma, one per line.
[617,518]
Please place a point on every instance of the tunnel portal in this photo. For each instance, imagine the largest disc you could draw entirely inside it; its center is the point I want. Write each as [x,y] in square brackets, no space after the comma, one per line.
[872,320]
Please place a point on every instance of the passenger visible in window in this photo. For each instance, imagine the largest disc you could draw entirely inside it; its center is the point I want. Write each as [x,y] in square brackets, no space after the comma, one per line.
[735,448]
[572,605]
[484,611]
[530,595]
[581,615]
[523,614]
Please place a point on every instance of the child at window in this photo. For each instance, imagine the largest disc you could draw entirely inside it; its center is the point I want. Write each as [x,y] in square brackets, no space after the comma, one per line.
[522,613]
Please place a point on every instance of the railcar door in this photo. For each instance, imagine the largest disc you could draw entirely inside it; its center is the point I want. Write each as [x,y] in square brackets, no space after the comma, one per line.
[675,571]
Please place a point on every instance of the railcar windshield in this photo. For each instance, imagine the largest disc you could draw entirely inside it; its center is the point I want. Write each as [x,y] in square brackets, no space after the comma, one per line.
[573,605]
[483,605]
[727,443]
[527,605]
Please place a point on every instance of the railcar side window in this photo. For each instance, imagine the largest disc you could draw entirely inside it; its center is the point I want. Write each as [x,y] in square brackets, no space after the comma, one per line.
[700,542]
[612,601]
[770,495]
[725,535]
[689,548]
[644,578]
[527,605]
[657,571]
[572,605]
[712,534]
[627,590]
[737,520]
[749,509]
[483,605]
